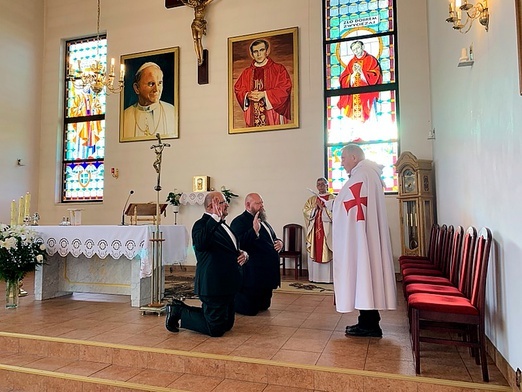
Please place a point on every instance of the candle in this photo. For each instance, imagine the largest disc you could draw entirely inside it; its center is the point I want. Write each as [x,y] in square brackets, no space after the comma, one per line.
[112,66]
[27,205]
[13,213]
[122,71]
[21,203]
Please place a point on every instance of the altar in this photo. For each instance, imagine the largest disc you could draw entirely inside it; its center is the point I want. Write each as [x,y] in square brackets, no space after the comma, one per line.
[105,259]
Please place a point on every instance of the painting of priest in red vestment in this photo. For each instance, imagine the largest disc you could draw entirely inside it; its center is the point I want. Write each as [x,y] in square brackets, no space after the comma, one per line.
[362,70]
[263,91]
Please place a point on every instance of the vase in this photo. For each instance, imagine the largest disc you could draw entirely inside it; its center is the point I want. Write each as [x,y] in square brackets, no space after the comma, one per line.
[12,294]
[175,209]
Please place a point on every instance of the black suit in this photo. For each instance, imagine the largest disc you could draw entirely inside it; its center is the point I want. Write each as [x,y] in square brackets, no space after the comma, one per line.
[217,279]
[261,274]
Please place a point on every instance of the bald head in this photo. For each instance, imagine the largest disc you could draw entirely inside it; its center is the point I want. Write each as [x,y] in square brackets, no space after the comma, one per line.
[254,204]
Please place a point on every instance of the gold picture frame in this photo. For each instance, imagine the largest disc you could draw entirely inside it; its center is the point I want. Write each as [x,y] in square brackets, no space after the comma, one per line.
[200,183]
[518,14]
[266,107]
[139,120]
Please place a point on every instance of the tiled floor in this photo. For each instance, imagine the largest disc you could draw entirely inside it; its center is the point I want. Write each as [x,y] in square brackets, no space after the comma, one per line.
[298,328]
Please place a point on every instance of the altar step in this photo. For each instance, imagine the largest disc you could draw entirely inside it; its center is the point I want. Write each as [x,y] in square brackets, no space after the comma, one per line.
[39,363]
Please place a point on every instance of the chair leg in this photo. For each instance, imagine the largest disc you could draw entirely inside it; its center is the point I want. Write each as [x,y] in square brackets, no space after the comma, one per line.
[296,269]
[415,334]
[482,349]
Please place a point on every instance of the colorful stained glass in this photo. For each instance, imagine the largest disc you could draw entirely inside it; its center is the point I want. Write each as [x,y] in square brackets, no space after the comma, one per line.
[340,60]
[371,16]
[83,181]
[360,76]
[84,132]
[384,154]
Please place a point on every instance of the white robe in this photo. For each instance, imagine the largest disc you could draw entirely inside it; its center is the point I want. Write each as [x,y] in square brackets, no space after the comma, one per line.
[364,274]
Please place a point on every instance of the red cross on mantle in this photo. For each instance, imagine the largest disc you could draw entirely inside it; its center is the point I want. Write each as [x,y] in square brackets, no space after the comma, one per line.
[357,201]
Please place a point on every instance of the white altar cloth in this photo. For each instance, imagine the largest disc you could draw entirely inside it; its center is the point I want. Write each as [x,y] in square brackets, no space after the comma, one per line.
[116,241]
[75,245]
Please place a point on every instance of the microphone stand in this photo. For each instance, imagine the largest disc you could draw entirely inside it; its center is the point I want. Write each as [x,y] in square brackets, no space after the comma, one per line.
[155,305]
[125,207]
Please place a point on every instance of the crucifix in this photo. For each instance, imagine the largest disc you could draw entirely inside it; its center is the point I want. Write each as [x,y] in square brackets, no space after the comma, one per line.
[199,29]
[155,305]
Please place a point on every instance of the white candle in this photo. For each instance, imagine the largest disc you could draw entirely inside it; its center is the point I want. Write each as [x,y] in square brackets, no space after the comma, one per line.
[13,213]
[27,204]
[122,72]
[112,66]
[21,207]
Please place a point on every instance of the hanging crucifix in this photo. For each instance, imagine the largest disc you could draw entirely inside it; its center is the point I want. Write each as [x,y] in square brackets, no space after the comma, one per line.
[199,29]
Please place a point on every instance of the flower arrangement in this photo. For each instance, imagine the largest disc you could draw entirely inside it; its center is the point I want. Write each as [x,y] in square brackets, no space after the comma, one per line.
[20,252]
[228,194]
[174,197]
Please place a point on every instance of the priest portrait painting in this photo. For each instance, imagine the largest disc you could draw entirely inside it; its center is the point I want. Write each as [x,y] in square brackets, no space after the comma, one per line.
[263,86]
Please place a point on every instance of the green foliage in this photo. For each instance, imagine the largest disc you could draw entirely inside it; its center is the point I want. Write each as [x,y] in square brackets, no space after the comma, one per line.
[228,194]
[20,252]
[174,197]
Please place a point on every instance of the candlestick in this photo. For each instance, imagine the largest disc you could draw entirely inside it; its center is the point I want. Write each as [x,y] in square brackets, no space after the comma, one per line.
[122,72]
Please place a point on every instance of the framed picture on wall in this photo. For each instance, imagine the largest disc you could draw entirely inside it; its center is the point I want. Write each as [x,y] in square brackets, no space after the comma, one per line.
[518,9]
[263,73]
[149,103]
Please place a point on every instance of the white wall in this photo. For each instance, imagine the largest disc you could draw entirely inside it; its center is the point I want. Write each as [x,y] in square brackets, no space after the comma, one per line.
[278,164]
[477,113]
[21,38]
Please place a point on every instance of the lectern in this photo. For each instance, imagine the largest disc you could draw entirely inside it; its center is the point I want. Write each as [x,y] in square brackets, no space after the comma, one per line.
[145,212]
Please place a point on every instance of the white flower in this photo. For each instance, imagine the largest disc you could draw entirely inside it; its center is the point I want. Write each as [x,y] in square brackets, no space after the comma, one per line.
[42,247]
[39,258]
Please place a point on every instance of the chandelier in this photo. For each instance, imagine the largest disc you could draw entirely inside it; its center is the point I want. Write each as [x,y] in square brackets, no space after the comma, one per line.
[478,11]
[94,76]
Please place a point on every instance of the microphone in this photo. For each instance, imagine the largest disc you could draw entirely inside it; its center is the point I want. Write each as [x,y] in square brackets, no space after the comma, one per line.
[125,207]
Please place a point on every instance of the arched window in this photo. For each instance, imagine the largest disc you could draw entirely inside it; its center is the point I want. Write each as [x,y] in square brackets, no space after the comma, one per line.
[84,126]
[361,100]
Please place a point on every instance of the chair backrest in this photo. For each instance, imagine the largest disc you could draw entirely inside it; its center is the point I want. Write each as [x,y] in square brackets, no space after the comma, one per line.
[468,249]
[434,234]
[440,245]
[480,269]
[447,246]
[456,255]
[293,237]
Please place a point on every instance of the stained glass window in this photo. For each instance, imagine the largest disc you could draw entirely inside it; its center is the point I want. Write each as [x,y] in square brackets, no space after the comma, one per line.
[361,85]
[84,128]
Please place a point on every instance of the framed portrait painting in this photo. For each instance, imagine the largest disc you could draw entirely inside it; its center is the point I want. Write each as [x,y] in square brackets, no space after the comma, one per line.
[518,9]
[149,103]
[263,74]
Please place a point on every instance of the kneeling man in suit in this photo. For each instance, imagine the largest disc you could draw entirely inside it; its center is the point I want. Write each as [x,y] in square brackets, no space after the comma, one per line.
[218,274]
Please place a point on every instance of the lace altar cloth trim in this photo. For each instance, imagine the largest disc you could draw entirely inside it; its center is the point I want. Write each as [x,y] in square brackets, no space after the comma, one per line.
[116,242]
[193,198]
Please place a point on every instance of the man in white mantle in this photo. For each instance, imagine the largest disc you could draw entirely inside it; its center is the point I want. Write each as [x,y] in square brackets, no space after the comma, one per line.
[364,274]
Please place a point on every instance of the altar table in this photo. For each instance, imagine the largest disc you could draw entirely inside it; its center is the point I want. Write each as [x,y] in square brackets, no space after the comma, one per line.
[105,259]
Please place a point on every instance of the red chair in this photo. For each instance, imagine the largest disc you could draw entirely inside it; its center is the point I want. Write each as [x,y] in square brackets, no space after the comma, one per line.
[459,314]
[293,249]
[409,266]
[459,256]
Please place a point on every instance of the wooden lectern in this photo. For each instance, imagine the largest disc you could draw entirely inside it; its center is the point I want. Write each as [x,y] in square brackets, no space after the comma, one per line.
[145,212]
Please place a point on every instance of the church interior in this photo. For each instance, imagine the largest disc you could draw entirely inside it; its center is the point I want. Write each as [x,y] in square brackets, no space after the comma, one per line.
[462,118]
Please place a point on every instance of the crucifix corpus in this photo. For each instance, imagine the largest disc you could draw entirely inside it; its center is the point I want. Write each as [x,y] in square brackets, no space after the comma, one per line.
[199,29]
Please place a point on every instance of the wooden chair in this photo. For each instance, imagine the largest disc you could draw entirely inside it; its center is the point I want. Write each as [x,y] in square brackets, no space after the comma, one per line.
[461,314]
[293,247]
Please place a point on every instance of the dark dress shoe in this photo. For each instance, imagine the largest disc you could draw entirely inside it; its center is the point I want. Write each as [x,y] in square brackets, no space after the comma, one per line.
[363,332]
[351,327]
[172,318]
[179,303]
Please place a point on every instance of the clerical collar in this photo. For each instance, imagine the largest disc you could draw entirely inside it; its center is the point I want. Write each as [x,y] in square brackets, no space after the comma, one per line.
[149,108]
[262,64]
